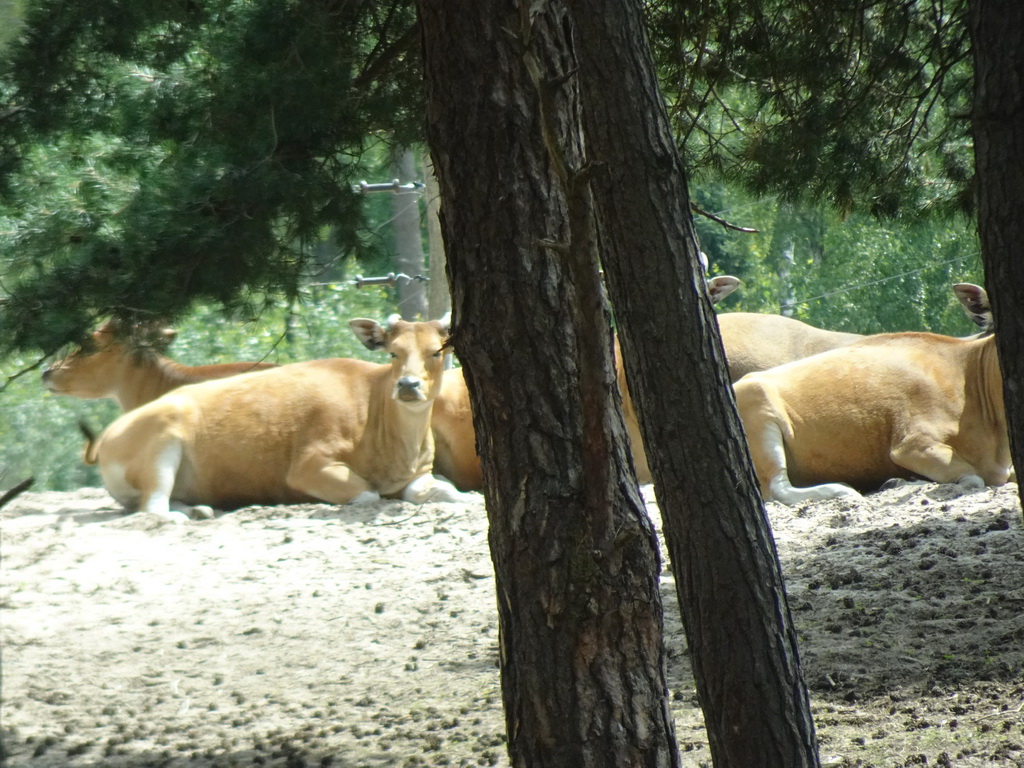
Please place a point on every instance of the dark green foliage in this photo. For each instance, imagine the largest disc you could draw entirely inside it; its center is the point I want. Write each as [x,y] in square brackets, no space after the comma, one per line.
[860,103]
[153,155]
[166,153]
[853,273]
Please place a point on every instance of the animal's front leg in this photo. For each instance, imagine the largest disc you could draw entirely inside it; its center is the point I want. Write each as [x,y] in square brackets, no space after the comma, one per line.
[929,457]
[332,481]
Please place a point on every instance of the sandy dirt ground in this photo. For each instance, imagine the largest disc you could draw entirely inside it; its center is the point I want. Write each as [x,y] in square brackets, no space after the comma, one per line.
[313,635]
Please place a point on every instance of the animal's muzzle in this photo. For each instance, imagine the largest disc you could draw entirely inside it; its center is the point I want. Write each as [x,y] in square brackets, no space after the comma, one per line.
[409,388]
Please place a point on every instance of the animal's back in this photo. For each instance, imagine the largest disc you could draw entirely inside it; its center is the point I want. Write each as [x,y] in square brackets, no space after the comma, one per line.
[756,342]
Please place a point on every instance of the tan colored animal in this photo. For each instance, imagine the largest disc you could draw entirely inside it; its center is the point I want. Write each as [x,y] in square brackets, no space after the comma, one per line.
[718,289]
[756,342]
[130,373]
[337,430]
[455,454]
[894,405]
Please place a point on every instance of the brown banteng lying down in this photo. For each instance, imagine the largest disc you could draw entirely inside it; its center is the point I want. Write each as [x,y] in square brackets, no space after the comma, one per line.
[893,405]
[128,372]
[455,456]
[337,430]
[117,366]
[756,342]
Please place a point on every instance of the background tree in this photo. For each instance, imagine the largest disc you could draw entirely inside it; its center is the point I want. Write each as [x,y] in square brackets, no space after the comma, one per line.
[409,256]
[574,553]
[180,141]
[862,104]
[163,154]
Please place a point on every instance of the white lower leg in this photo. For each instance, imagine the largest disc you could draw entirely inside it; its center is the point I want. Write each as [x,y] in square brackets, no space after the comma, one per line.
[429,488]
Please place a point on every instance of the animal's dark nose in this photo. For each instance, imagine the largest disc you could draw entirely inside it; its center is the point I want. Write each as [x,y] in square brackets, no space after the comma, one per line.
[47,373]
[408,383]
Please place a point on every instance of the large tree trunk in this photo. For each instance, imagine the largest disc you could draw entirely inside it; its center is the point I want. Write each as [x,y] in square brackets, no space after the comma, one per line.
[997,32]
[575,556]
[741,636]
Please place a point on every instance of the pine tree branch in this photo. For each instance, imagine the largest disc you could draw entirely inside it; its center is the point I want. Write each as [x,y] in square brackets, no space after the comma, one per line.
[379,64]
[718,220]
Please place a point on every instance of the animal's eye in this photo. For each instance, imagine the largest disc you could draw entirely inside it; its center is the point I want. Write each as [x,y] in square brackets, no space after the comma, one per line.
[438,353]
[394,356]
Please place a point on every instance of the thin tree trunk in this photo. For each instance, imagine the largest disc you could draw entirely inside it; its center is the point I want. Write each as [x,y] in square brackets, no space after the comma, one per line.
[575,556]
[731,593]
[782,255]
[997,32]
[409,258]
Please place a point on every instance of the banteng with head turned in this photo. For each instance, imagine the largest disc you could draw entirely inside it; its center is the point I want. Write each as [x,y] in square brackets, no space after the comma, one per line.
[124,363]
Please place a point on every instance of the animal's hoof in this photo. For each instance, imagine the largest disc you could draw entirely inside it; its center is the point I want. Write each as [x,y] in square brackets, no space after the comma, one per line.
[971,483]
[445,495]
[366,497]
[172,516]
[202,512]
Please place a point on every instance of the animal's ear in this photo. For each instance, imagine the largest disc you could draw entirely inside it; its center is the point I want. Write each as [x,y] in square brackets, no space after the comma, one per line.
[720,287]
[103,336]
[369,332]
[703,259]
[164,337]
[444,324]
[974,300]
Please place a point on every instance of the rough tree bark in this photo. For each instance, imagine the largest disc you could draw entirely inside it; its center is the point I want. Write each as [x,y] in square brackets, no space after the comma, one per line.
[439,300]
[997,119]
[575,556]
[731,593]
